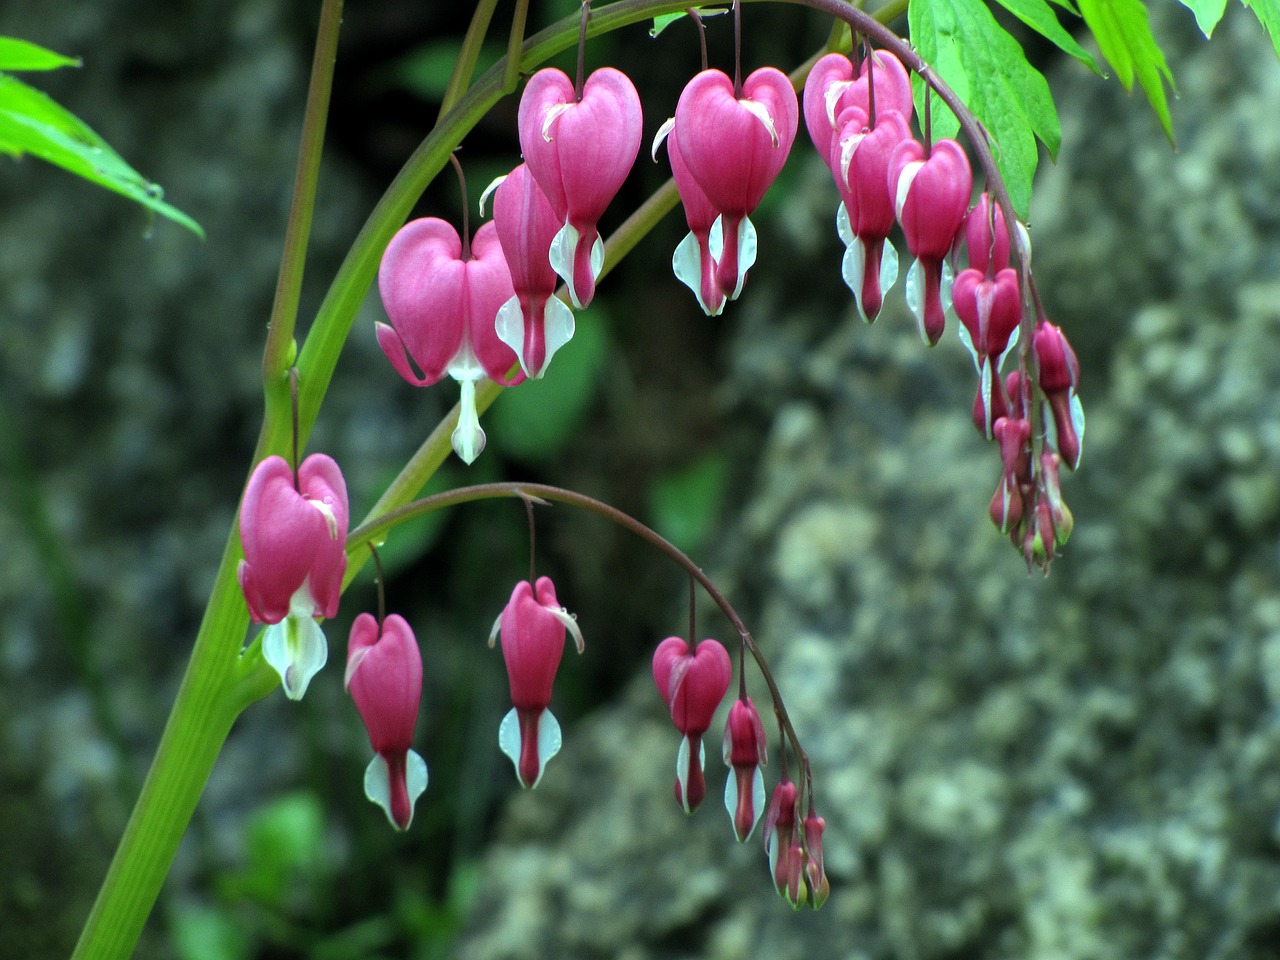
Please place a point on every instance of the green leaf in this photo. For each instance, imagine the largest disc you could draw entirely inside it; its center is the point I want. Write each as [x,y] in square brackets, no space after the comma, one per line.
[31,122]
[18,54]
[1039,16]
[686,502]
[665,20]
[535,420]
[1124,37]
[1268,13]
[987,69]
[1208,13]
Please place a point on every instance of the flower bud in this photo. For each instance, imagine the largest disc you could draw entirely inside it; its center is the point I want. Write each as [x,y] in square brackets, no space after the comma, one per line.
[692,685]
[745,752]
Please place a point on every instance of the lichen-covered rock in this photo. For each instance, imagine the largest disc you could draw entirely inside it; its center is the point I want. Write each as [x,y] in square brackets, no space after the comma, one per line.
[1080,766]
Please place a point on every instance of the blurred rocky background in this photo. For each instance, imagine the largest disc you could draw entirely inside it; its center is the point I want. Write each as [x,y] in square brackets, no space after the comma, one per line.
[1079,766]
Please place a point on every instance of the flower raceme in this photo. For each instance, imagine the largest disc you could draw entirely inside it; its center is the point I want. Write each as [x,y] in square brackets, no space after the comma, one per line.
[734,147]
[384,678]
[580,150]
[294,531]
[442,300]
[692,686]
[535,323]
[533,626]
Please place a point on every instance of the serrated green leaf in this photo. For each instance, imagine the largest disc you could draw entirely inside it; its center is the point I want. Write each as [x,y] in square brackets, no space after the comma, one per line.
[30,122]
[1268,14]
[1124,37]
[1039,16]
[18,54]
[1208,13]
[987,69]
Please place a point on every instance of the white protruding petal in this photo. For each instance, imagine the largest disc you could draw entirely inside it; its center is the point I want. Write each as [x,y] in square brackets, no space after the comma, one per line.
[550,117]
[843,227]
[1077,422]
[682,768]
[509,326]
[888,267]
[945,284]
[558,328]
[833,95]
[549,740]
[296,648]
[571,624]
[905,179]
[761,113]
[746,249]
[509,737]
[597,257]
[468,437]
[377,785]
[848,147]
[664,131]
[561,257]
[489,190]
[757,799]
[493,634]
[1013,342]
[415,776]
[686,263]
[330,520]
[915,296]
[853,269]
[985,385]
[1024,237]
[353,664]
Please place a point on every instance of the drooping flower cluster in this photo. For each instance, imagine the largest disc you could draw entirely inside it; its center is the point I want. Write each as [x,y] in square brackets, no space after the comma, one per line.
[476,309]
[692,684]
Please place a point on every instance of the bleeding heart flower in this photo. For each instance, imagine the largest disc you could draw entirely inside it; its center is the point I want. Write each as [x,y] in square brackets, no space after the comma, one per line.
[294,534]
[931,200]
[693,263]
[442,300]
[580,152]
[384,677]
[692,686]
[860,158]
[785,844]
[532,626]
[830,89]
[734,147]
[990,311]
[535,323]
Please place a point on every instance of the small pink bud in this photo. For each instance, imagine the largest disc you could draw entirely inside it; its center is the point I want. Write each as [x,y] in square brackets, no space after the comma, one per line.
[745,752]
[384,677]
[784,844]
[692,686]
[990,311]
[1058,374]
[294,535]
[815,869]
[533,628]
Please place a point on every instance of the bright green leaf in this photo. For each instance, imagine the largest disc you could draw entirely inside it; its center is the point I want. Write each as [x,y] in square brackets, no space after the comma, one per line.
[1124,37]
[1039,16]
[987,69]
[31,122]
[1268,12]
[18,54]
[1208,13]
[535,420]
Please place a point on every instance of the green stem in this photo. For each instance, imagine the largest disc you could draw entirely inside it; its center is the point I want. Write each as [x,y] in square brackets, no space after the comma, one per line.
[468,54]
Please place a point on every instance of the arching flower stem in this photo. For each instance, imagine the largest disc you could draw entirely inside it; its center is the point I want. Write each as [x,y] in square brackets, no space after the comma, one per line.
[374,530]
